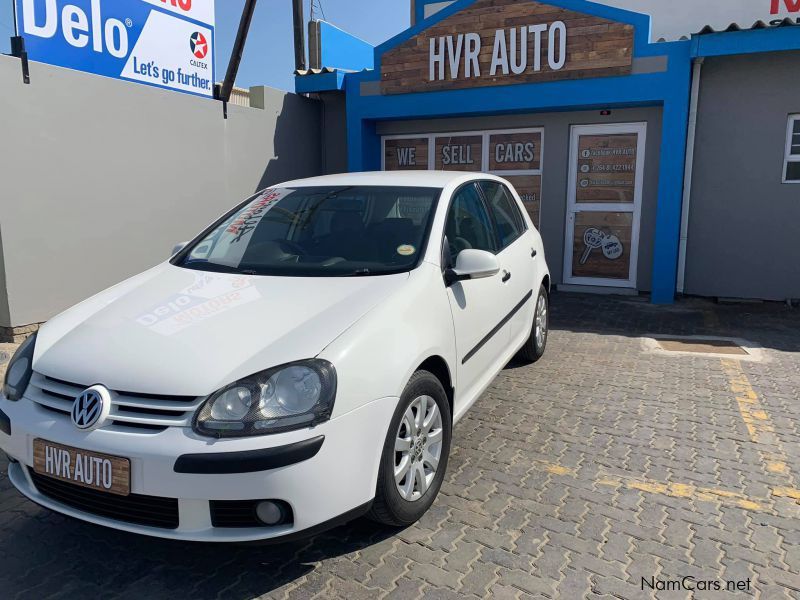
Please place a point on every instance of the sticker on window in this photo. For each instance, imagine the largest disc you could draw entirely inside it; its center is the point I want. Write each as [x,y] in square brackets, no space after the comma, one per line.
[406,250]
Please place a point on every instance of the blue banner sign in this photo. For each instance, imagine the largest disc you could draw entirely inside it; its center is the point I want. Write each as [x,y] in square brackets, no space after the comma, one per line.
[165,43]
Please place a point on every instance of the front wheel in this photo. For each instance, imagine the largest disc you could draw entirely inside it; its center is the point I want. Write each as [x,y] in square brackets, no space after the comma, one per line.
[415,453]
[535,346]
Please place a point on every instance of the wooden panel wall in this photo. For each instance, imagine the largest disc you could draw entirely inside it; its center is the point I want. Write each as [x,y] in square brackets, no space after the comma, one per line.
[596,47]
[406,154]
[607,168]
[601,246]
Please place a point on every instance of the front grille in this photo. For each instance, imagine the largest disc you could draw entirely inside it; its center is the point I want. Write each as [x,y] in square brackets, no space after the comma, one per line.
[150,511]
[130,412]
[242,513]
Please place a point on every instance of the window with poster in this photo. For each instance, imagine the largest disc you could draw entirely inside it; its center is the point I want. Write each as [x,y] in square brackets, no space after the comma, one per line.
[514,154]
[791,168]
[517,155]
[604,204]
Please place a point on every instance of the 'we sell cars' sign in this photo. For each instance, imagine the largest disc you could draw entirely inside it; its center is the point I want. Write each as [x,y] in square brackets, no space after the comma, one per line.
[166,43]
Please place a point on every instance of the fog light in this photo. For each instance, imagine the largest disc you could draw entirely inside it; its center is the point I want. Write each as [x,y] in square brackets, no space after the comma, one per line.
[269,513]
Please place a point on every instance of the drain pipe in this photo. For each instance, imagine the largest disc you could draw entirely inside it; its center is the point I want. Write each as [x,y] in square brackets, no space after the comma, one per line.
[299,35]
[688,169]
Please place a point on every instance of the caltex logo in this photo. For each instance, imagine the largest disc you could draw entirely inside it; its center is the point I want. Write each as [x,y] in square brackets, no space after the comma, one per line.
[198,44]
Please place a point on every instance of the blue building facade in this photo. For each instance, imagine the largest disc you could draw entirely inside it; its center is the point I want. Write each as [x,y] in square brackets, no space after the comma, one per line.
[604,111]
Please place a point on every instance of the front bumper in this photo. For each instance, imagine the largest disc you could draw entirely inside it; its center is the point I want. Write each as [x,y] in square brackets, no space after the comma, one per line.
[336,480]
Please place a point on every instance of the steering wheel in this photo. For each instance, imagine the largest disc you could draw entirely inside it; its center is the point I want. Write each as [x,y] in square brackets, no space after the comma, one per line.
[292,247]
[272,251]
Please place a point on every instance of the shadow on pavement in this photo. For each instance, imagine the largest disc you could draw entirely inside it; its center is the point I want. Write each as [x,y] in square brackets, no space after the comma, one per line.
[43,554]
[772,325]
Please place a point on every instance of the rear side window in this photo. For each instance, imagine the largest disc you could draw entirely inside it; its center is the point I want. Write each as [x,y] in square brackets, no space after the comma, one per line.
[507,216]
[468,223]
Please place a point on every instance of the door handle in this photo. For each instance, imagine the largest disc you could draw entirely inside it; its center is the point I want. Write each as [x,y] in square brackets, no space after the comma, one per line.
[533,253]
[506,276]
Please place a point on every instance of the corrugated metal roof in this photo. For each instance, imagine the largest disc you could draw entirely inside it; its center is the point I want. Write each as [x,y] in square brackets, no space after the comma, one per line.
[324,70]
[679,19]
[787,22]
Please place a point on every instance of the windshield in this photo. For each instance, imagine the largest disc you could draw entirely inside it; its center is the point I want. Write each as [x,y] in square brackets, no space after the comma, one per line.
[319,232]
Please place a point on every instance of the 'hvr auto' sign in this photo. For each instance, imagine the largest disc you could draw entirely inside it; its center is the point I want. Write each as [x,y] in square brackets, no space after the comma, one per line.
[502,42]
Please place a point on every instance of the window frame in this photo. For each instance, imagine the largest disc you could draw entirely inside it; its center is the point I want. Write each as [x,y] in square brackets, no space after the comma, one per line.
[521,224]
[789,158]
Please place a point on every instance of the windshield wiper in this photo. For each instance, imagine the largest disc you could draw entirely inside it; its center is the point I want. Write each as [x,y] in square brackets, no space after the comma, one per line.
[204,265]
[360,273]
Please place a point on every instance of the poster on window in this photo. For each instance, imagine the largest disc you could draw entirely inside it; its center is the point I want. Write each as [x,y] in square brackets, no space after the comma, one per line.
[406,154]
[529,188]
[601,247]
[520,151]
[459,153]
[607,168]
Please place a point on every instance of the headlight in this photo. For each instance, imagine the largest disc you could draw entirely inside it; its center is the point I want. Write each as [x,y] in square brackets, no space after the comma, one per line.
[19,370]
[293,396]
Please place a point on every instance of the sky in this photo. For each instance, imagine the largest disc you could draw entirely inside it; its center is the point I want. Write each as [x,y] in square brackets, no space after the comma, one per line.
[269,54]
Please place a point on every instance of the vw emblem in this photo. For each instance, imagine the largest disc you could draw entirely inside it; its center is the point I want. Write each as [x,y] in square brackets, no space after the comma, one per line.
[91,408]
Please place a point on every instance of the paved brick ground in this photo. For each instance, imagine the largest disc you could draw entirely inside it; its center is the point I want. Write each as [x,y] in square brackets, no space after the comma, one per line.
[6,352]
[600,466]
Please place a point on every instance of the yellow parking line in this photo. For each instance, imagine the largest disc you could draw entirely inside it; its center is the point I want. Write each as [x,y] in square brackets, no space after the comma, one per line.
[761,432]
[778,467]
[559,470]
[760,428]
[753,414]
[682,490]
[675,490]
[688,491]
[785,492]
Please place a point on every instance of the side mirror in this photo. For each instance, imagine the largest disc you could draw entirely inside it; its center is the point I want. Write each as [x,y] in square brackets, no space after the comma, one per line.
[473,264]
[178,248]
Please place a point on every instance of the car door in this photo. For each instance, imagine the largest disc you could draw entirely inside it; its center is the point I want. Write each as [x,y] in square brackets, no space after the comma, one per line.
[476,305]
[517,256]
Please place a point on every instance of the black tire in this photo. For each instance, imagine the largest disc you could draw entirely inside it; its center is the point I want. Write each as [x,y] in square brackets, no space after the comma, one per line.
[389,507]
[532,351]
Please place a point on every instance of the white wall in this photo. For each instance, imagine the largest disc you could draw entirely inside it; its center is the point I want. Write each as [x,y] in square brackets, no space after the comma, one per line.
[743,223]
[100,178]
[673,19]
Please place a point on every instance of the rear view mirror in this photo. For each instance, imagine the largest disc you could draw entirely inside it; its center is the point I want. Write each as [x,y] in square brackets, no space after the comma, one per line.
[473,264]
[178,248]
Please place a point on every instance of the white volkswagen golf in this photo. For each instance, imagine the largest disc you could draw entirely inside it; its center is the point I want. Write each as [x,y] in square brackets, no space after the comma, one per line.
[300,363]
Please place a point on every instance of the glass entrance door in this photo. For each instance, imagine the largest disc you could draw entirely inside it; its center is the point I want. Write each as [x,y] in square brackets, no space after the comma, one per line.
[604,204]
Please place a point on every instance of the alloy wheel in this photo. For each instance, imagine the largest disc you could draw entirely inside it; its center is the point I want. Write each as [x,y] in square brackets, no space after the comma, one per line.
[540,330]
[418,448]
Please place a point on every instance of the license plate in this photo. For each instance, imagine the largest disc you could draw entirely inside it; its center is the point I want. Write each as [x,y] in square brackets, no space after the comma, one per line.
[92,470]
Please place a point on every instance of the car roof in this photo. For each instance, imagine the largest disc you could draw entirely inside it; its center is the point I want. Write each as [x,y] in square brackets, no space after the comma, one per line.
[432,179]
